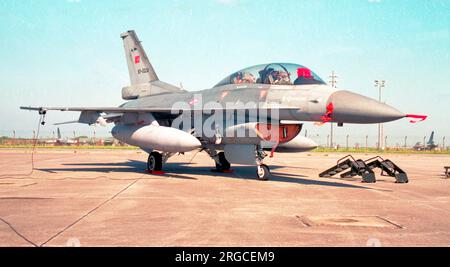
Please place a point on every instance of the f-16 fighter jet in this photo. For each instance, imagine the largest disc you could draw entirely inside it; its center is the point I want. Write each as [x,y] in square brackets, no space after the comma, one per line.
[253,109]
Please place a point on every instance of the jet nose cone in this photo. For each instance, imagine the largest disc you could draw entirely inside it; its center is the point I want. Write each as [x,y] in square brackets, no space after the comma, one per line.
[354,108]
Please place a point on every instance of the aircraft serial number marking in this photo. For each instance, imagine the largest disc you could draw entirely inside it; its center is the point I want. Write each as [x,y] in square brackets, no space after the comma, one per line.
[144,70]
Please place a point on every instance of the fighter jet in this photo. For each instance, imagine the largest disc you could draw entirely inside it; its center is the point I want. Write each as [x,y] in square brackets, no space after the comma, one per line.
[430,145]
[254,108]
[64,141]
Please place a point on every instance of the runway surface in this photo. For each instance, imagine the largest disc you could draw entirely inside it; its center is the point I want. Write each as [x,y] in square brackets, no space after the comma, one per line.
[105,198]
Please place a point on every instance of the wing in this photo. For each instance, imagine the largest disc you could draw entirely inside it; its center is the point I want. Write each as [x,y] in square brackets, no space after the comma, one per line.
[121,110]
[101,115]
[43,110]
[91,115]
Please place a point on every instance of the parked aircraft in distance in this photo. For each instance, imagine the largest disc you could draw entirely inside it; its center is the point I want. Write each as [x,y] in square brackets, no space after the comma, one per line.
[430,145]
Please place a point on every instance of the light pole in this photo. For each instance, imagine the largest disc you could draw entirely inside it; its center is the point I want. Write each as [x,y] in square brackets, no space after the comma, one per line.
[367,142]
[333,82]
[380,84]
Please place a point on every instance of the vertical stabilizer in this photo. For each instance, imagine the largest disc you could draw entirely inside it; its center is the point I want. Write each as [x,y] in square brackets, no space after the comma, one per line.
[431,140]
[139,67]
[59,134]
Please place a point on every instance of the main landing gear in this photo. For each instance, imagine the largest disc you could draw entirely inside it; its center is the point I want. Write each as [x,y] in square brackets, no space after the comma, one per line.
[156,160]
[222,164]
[154,163]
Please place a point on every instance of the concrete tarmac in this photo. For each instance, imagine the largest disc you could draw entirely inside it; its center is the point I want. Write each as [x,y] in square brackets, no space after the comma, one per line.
[105,198]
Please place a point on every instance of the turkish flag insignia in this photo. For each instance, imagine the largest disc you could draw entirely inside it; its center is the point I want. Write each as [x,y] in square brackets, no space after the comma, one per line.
[137,59]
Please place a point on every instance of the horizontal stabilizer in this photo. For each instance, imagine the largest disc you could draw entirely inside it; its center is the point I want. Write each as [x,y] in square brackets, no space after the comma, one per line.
[66,122]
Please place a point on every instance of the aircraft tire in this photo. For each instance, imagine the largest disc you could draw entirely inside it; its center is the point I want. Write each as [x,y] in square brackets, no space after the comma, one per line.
[263,172]
[223,164]
[154,162]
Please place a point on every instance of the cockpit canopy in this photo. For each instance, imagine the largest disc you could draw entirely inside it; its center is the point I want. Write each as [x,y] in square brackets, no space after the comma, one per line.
[273,73]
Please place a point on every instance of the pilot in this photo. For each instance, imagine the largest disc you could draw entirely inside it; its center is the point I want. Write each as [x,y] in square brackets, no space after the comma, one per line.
[265,76]
[282,78]
[269,76]
[272,76]
[237,78]
[248,78]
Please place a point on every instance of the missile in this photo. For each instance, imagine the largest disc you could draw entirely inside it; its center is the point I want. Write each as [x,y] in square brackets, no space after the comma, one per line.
[156,137]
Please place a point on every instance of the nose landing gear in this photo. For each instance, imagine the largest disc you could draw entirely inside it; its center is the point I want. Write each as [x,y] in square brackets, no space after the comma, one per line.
[263,172]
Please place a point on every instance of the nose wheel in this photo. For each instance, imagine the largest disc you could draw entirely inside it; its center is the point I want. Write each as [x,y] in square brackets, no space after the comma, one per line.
[263,172]
[154,162]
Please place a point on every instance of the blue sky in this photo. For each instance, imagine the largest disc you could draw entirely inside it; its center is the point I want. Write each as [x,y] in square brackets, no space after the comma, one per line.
[68,52]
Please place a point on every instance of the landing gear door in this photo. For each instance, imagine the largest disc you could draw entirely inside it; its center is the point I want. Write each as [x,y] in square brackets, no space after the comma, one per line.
[240,154]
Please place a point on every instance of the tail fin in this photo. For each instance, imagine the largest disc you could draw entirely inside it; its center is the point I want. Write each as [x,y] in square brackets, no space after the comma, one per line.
[59,134]
[139,67]
[431,140]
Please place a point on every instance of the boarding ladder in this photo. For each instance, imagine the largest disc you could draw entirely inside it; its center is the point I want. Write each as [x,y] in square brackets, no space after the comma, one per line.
[364,168]
[388,168]
[357,167]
